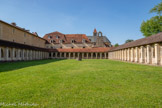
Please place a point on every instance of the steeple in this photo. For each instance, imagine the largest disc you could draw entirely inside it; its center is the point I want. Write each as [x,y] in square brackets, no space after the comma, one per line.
[95,32]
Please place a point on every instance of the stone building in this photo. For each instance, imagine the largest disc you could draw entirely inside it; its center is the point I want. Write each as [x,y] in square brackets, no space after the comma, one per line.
[146,50]
[18,44]
[99,40]
[59,40]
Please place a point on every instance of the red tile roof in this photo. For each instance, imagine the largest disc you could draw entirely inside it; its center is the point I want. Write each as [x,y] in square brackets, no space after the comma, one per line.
[67,38]
[97,49]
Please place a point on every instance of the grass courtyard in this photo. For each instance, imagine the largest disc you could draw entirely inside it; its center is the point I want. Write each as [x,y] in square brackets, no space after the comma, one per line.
[81,84]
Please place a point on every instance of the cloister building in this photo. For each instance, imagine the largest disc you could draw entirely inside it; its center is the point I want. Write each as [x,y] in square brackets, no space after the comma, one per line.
[19,44]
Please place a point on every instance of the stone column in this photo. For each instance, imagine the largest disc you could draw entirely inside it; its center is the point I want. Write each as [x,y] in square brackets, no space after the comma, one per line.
[56,54]
[0,54]
[157,54]
[137,55]
[82,55]
[6,54]
[148,54]
[65,54]
[122,55]
[91,55]
[96,56]
[105,56]
[142,54]
[132,54]
[100,55]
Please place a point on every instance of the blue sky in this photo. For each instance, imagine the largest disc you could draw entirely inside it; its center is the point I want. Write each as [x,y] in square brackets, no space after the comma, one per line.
[119,20]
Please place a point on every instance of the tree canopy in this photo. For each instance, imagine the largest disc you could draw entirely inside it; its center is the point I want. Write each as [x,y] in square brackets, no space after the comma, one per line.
[116,45]
[129,40]
[157,9]
[153,25]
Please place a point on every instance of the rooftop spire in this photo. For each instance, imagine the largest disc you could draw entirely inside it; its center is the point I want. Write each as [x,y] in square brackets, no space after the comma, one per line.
[95,31]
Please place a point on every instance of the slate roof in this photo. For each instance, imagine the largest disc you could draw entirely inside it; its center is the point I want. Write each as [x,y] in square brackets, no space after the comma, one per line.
[157,38]
[94,38]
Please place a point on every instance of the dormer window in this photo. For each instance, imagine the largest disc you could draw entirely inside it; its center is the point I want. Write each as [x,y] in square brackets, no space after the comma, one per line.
[83,40]
[61,41]
[49,37]
[57,37]
[73,41]
[52,41]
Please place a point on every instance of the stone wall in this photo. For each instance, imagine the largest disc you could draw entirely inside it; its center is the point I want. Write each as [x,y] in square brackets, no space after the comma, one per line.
[18,54]
[14,34]
[146,54]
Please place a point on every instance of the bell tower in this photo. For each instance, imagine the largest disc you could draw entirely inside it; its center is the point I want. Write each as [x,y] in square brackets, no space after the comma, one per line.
[95,32]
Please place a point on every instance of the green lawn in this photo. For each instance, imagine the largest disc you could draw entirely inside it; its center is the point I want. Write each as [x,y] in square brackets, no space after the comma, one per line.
[81,84]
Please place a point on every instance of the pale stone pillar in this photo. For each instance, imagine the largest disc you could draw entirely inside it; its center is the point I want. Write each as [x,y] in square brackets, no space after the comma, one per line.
[125,51]
[148,54]
[23,54]
[56,54]
[157,54]
[65,54]
[137,55]
[74,55]
[128,54]
[100,55]
[6,54]
[122,55]
[105,56]
[132,54]
[0,54]
[142,55]
[91,55]
[30,55]
[82,55]
[96,56]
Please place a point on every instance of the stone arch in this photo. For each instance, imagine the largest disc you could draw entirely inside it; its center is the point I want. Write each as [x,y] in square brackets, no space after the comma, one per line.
[99,33]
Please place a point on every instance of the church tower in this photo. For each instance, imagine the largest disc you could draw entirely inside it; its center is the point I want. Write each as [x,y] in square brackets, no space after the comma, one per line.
[95,32]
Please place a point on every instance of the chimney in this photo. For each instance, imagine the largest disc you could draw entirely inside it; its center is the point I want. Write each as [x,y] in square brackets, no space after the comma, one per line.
[13,23]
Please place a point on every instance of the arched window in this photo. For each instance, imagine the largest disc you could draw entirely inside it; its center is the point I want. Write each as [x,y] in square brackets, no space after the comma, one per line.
[72,41]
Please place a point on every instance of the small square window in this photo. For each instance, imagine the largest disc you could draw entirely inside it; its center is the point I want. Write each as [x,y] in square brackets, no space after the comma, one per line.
[57,37]
[49,37]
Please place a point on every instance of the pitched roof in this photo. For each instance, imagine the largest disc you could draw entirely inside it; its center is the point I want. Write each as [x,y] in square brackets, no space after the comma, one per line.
[144,41]
[94,39]
[97,49]
[67,38]
[22,29]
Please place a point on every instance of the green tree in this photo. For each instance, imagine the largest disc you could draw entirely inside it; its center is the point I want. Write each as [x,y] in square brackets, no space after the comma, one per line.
[157,9]
[116,45]
[129,40]
[153,25]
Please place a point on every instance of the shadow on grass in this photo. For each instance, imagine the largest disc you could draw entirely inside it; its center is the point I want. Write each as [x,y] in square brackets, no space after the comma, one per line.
[9,66]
